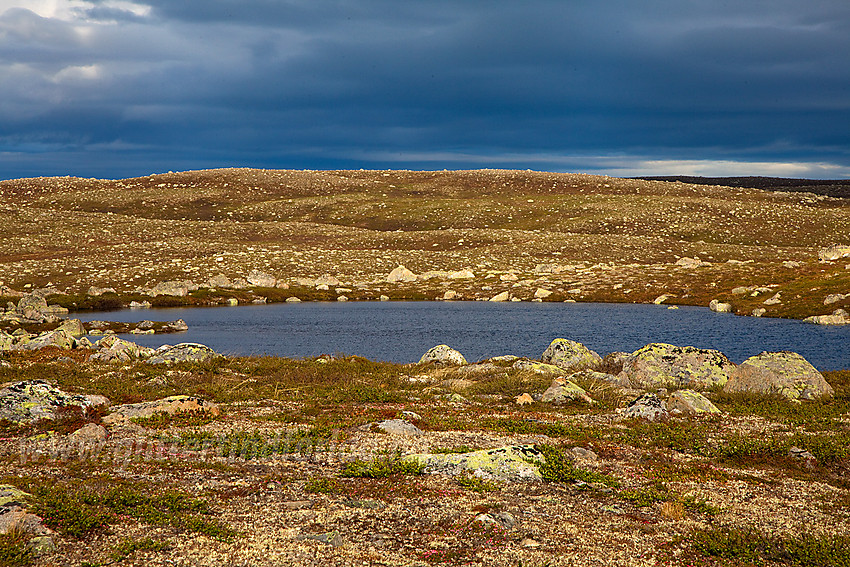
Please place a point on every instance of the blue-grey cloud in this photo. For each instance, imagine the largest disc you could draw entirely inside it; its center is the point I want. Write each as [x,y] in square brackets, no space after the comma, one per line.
[131,87]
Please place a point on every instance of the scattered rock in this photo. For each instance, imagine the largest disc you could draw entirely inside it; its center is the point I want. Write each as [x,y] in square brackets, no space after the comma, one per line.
[504,296]
[327,279]
[542,293]
[570,355]
[759,311]
[661,299]
[663,365]
[504,463]
[114,349]
[835,298]
[94,290]
[449,295]
[464,274]
[775,299]
[60,338]
[649,407]
[689,402]
[524,399]
[384,298]
[219,280]
[784,373]
[293,299]
[791,264]
[443,354]
[503,520]
[686,262]
[90,433]
[838,317]
[140,305]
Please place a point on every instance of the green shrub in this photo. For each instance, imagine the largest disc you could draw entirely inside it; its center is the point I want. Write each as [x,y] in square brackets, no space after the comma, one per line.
[14,551]
[753,547]
[558,467]
[381,467]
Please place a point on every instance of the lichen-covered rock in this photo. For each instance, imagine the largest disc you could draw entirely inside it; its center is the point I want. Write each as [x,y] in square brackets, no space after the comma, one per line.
[176,326]
[97,291]
[649,407]
[464,274]
[400,427]
[59,338]
[170,405]
[504,463]
[613,379]
[183,352]
[74,327]
[6,340]
[784,373]
[537,367]
[835,252]
[719,306]
[443,354]
[32,400]
[32,303]
[173,288]
[562,391]
[663,365]
[112,348]
[503,296]
[401,274]
[219,280]
[571,355]
[689,402]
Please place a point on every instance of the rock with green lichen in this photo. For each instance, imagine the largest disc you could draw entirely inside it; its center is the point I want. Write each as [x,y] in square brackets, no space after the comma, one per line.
[504,463]
[6,340]
[689,402]
[570,355]
[562,391]
[183,352]
[443,354]
[170,405]
[784,373]
[33,400]
[660,365]
[59,338]
[114,349]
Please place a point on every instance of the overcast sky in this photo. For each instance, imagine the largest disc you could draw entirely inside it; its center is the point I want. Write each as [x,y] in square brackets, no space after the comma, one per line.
[116,88]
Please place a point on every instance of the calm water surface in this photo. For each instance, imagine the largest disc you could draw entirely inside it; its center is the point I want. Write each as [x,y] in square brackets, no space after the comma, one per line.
[403,331]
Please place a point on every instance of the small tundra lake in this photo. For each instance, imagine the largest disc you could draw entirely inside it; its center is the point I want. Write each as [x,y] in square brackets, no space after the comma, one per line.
[403,331]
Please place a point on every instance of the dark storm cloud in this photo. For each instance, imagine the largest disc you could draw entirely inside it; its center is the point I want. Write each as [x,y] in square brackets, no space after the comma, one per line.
[129,88]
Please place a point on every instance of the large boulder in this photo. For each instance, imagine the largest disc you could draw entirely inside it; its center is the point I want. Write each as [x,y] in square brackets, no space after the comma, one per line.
[261,279]
[6,340]
[33,400]
[32,303]
[170,405]
[660,365]
[571,356]
[649,407]
[504,463]
[59,338]
[838,317]
[112,348]
[73,327]
[563,391]
[401,274]
[835,252]
[173,288]
[784,373]
[689,402]
[183,352]
[219,280]
[443,354]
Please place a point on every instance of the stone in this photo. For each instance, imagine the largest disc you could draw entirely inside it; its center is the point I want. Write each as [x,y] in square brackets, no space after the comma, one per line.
[114,349]
[327,279]
[400,427]
[90,433]
[686,262]
[508,464]
[759,311]
[94,290]
[30,303]
[323,287]
[689,402]
[464,274]
[838,317]
[32,400]
[176,326]
[183,352]
[663,365]
[342,298]
[449,295]
[16,519]
[835,298]
[740,290]
[502,520]
[541,293]
[401,274]
[293,299]
[613,379]
[524,399]
[73,327]
[784,373]
[563,391]
[172,288]
[140,305]
[570,355]
[6,340]
[170,405]
[261,279]
[12,495]
[537,367]
[504,296]
[59,338]
[384,298]
[219,280]
[443,354]
[649,407]
[719,306]
[661,299]
[775,299]
[510,277]
[835,252]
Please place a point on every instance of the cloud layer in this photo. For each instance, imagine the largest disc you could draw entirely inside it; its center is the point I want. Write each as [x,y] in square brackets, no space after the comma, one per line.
[119,88]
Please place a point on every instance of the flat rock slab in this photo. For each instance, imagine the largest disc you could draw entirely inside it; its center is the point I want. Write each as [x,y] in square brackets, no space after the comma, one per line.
[504,463]
[170,405]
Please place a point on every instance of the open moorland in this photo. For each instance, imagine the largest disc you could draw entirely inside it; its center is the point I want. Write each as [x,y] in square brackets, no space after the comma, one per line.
[112,454]
[580,237]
